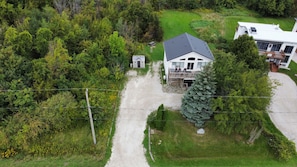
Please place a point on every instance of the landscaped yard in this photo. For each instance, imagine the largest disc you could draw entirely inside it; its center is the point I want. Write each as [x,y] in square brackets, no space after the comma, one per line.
[180,146]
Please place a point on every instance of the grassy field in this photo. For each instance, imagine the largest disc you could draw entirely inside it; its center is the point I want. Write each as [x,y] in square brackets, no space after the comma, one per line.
[180,146]
[177,22]
[71,148]
[72,161]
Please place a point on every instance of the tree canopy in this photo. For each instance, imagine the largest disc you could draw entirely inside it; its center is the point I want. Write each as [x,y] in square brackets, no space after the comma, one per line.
[51,50]
[245,49]
[242,97]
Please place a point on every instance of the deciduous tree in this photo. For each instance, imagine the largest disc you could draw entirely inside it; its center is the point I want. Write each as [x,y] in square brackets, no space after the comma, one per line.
[43,36]
[246,50]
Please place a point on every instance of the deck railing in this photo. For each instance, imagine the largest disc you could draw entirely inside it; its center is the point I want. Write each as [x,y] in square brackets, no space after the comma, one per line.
[175,74]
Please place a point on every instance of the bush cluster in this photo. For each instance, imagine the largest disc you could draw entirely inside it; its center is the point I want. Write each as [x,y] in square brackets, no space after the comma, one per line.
[282,148]
[157,119]
[8,153]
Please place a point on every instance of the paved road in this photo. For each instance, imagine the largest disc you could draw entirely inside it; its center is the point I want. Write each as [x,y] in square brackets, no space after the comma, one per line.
[141,96]
[284,105]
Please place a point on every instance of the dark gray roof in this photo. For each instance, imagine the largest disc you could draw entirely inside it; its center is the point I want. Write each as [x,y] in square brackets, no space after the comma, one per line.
[186,43]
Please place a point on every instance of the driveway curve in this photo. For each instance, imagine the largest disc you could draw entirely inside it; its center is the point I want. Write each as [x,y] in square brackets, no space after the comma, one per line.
[141,96]
[283,105]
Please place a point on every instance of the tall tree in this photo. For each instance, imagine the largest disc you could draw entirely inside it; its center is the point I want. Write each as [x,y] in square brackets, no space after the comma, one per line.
[43,36]
[239,104]
[23,44]
[245,49]
[196,103]
[117,57]
[242,109]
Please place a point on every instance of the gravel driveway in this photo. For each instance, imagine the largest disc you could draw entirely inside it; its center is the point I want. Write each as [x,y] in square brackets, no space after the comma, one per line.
[141,96]
[284,106]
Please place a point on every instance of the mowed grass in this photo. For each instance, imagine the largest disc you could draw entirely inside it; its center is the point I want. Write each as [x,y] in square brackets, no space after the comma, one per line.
[291,72]
[177,22]
[240,14]
[173,23]
[180,146]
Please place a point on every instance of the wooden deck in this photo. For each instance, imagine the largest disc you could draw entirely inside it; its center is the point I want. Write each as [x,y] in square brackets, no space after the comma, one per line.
[182,74]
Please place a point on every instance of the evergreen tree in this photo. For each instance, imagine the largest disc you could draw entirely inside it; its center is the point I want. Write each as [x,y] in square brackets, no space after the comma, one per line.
[196,103]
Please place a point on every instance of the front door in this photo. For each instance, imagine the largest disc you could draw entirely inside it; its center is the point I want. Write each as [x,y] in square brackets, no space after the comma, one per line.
[138,64]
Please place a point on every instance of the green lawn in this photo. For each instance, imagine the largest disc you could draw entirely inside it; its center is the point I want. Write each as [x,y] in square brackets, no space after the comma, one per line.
[232,16]
[291,73]
[180,146]
[177,22]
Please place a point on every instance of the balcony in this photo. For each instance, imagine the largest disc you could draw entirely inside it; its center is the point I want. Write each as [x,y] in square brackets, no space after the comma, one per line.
[182,74]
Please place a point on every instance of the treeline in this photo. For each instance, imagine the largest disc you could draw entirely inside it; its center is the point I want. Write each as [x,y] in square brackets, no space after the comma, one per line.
[279,8]
[50,51]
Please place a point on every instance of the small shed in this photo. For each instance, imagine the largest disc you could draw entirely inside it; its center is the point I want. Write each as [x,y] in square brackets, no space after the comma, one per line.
[138,61]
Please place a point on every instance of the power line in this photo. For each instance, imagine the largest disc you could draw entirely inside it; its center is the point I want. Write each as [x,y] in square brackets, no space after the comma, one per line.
[116,90]
[56,89]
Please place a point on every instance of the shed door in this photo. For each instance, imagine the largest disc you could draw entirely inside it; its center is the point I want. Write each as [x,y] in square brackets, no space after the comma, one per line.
[138,64]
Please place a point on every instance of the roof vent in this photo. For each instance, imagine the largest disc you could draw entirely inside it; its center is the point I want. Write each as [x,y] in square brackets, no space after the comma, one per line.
[253,30]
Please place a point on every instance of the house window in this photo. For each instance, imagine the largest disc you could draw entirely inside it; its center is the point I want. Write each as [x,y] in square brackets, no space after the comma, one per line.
[190,66]
[262,45]
[288,49]
[286,59]
[276,47]
[191,58]
[178,64]
[200,65]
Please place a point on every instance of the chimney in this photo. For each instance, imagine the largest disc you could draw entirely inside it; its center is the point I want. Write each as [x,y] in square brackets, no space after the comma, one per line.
[295,26]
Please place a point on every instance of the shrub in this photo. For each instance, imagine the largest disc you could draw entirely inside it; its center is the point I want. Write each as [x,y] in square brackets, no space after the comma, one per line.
[282,148]
[157,119]
[8,153]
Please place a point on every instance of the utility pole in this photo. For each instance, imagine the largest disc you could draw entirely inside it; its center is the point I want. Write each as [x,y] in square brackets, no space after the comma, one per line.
[91,117]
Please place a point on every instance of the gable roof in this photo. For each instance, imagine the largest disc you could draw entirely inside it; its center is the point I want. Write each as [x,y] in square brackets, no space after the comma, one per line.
[186,43]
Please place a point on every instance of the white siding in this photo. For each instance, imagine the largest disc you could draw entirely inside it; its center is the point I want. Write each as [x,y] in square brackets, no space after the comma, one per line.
[165,65]
[169,64]
[295,26]
[259,36]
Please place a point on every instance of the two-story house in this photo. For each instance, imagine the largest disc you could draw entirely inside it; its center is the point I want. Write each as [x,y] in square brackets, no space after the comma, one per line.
[184,56]
[279,46]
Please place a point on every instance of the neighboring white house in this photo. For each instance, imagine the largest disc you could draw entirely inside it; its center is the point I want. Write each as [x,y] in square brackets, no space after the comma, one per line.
[138,61]
[184,56]
[279,46]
